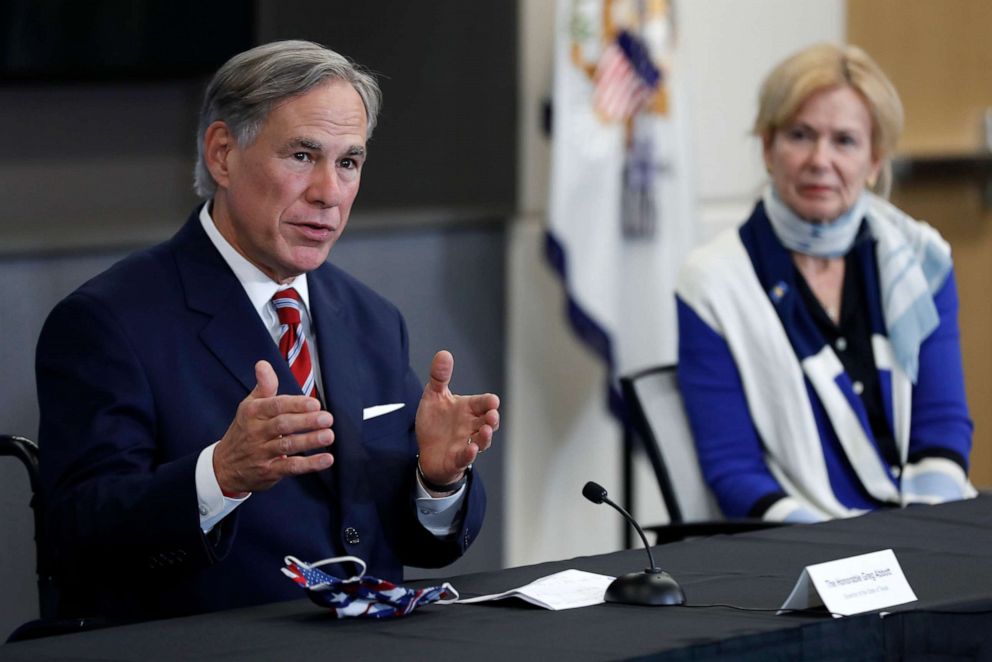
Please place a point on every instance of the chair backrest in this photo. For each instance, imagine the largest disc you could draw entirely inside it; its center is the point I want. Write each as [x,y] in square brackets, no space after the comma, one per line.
[654,406]
[26,451]
[51,621]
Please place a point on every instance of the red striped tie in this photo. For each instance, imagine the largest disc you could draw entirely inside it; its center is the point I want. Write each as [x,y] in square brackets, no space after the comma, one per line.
[292,343]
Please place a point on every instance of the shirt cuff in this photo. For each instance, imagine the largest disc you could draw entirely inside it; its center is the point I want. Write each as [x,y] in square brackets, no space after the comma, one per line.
[935,480]
[213,505]
[439,515]
[791,511]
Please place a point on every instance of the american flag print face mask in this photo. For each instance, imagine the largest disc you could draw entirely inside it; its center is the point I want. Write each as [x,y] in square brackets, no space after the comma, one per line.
[362,596]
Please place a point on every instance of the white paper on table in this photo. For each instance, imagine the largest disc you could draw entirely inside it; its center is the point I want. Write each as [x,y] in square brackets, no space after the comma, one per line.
[563,590]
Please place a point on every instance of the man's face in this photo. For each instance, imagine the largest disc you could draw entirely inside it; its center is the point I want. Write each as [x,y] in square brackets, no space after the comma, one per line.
[284,200]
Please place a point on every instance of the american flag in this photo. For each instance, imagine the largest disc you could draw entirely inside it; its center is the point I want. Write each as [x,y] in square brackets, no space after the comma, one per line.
[625,78]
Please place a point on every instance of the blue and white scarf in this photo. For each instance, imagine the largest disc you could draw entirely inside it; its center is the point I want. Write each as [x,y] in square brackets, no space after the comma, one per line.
[913,262]
[719,283]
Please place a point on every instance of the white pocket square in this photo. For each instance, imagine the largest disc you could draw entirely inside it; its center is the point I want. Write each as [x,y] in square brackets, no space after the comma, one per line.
[379,410]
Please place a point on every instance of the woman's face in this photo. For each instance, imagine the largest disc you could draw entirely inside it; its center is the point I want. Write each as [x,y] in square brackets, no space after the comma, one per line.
[821,160]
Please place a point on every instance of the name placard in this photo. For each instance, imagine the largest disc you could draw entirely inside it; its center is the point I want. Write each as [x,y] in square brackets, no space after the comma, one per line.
[852,585]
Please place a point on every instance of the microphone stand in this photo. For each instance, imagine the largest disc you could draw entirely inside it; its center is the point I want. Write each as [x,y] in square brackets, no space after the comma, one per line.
[653,586]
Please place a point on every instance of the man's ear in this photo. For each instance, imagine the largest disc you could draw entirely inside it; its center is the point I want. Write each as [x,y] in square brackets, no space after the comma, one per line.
[218,143]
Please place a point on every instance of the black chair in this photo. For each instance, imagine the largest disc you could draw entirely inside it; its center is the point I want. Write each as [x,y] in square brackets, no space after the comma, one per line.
[660,428]
[50,622]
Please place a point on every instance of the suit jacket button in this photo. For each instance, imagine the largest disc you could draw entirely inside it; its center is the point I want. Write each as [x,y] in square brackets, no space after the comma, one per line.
[351,536]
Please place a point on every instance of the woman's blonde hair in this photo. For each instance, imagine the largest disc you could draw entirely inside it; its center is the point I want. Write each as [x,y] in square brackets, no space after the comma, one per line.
[823,66]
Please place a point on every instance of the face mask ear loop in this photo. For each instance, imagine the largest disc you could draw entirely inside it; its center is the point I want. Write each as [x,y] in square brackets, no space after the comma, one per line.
[333,559]
[449,589]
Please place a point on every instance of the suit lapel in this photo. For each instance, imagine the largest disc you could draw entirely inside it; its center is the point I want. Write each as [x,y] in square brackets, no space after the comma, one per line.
[232,331]
[337,349]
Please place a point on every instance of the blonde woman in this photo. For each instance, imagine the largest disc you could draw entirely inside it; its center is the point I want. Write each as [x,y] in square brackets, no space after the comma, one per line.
[819,356]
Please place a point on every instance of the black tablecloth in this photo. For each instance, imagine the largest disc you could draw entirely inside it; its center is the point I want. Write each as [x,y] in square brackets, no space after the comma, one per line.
[945,552]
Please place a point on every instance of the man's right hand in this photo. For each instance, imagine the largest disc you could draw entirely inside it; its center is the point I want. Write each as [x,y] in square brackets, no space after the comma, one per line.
[262,444]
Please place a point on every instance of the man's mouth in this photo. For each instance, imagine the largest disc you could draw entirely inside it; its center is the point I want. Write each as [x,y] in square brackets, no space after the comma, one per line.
[314,231]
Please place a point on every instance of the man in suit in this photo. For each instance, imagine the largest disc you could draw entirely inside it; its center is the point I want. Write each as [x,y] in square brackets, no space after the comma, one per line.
[194,432]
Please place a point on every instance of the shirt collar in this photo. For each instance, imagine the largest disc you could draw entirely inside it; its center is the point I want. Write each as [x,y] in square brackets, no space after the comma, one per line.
[257,285]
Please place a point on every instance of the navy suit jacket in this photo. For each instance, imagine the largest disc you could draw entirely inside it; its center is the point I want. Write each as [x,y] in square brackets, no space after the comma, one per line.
[145,365]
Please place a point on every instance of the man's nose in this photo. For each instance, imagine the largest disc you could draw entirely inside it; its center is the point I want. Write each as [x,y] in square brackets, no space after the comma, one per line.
[325,188]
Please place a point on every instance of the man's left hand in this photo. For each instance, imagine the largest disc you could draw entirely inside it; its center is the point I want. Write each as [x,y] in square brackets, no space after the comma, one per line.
[452,429]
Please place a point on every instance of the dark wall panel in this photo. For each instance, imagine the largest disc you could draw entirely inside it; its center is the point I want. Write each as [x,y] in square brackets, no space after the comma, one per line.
[447,68]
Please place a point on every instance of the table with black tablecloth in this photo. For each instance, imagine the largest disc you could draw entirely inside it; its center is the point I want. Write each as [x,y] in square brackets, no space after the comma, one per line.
[733,585]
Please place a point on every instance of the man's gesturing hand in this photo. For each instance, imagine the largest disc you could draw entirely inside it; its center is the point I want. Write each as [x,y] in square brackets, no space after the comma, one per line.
[452,429]
[261,445]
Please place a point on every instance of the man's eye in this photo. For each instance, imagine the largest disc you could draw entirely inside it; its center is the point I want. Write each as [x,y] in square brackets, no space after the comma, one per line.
[303,157]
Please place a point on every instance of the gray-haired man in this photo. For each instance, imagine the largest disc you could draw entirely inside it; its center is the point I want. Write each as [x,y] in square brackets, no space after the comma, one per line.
[226,398]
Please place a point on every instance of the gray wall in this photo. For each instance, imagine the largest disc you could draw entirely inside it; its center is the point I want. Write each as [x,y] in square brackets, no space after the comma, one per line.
[447,280]
[84,163]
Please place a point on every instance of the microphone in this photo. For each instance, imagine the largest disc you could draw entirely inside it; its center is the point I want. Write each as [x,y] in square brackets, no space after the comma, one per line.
[654,586]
